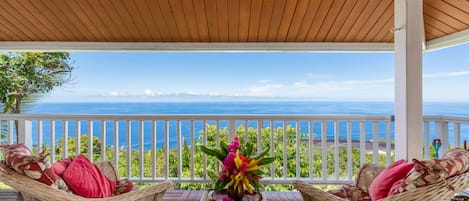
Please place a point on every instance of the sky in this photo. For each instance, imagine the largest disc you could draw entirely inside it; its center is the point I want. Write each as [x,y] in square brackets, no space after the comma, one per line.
[191,76]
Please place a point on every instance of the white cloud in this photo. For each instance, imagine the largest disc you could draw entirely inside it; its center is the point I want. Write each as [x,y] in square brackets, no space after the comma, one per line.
[115,94]
[265,90]
[446,74]
[148,92]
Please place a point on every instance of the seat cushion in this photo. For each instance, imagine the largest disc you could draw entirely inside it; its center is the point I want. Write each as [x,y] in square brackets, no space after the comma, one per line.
[16,156]
[37,167]
[381,185]
[86,180]
[427,172]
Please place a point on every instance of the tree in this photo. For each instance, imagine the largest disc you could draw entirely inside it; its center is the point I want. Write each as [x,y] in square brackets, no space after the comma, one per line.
[23,74]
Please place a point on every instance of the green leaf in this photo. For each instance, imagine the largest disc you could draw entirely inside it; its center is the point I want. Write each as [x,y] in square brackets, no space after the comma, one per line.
[224,147]
[262,153]
[247,151]
[256,186]
[219,185]
[265,161]
[213,152]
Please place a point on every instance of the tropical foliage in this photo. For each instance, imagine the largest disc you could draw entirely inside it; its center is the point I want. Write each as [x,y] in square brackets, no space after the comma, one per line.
[23,74]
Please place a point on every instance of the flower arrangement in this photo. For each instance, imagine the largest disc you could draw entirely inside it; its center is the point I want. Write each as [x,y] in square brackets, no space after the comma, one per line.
[241,169]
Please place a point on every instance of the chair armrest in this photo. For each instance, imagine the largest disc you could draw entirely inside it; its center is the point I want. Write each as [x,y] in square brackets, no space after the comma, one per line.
[311,193]
[155,191]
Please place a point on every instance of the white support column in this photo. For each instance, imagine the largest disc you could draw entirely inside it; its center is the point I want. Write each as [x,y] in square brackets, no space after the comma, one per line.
[25,132]
[408,20]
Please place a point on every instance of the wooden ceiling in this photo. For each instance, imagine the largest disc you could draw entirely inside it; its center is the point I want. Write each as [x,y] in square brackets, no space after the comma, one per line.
[218,20]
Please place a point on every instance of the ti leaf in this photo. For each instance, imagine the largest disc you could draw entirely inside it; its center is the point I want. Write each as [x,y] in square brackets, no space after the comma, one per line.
[255,184]
[213,152]
[224,147]
[262,153]
[265,161]
[219,185]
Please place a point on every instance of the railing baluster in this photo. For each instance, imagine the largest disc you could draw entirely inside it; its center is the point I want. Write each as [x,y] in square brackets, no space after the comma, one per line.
[388,143]
[217,139]
[310,149]
[324,149]
[141,144]
[153,149]
[272,148]
[259,135]
[39,136]
[179,144]
[298,144]
[52,140]
[204,127]
[426,139]
[116,143]
[336,149]
[103,140]
[246,139]
[349,151]
[90,140]
[192,165]
[78,137]
[166,148]
[65,142]
[362,143]
[457,135]
[11,134]
[285,165]
[232,128]
[129,148]
[375,143]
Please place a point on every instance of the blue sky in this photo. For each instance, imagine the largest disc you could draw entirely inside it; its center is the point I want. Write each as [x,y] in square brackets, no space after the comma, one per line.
[185,76]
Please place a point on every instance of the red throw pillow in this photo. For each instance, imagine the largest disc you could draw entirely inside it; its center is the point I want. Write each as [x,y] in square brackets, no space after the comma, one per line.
[60,166]
[86,180]
[381,185]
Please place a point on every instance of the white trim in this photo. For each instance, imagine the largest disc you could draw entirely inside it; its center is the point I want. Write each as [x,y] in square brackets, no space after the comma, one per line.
[450,40]
[198,46]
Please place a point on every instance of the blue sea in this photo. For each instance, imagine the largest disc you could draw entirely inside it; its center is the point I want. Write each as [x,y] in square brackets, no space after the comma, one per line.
[308,108]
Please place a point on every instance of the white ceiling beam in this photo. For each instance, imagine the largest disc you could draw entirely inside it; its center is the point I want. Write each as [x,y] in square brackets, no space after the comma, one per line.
[198,46]
[450,40]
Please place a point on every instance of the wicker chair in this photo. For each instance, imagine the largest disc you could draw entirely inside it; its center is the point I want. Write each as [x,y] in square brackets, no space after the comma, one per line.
[434,192]
[36,191]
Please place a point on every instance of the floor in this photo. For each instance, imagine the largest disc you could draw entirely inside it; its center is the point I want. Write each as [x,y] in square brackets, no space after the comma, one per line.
[176,195]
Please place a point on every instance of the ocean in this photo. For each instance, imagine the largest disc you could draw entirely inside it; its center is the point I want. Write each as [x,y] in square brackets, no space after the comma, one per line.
[308,108]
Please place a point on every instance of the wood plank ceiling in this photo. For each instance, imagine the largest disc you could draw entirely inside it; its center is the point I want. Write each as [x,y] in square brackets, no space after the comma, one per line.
[218,20]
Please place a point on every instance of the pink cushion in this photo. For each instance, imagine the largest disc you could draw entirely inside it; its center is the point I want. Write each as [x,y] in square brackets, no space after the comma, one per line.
[86,180]
[382,184]
[60,166]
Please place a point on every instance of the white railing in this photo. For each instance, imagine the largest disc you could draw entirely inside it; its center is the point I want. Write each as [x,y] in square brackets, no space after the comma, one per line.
[161,147]
[449,129]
